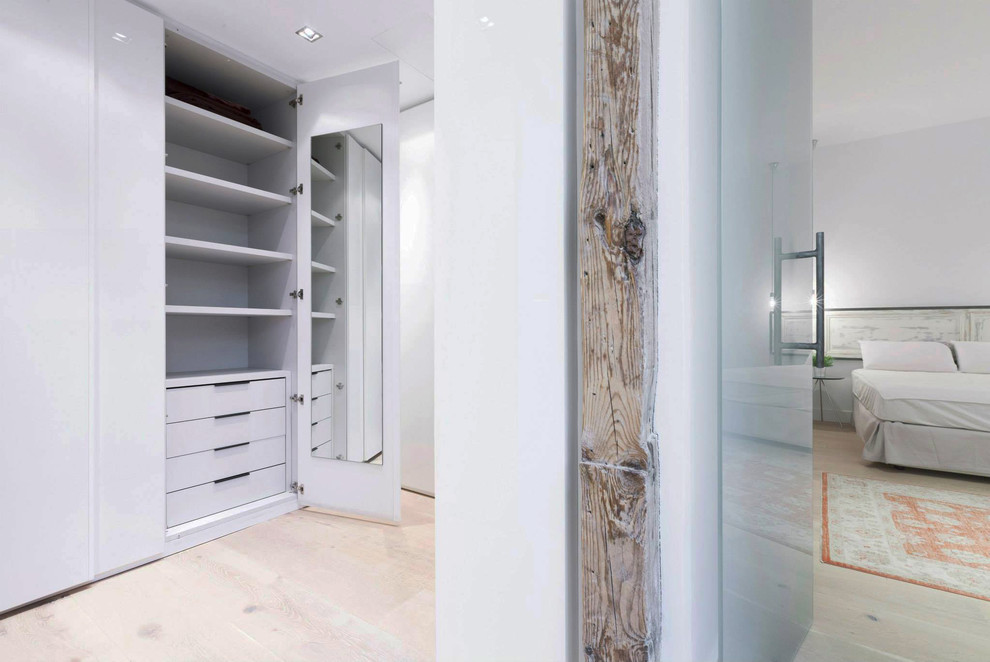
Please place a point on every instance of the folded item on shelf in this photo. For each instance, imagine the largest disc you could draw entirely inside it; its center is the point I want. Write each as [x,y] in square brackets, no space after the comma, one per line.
[197,97]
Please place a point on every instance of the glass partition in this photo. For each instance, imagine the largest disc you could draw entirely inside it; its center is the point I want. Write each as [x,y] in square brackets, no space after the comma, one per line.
[766,460]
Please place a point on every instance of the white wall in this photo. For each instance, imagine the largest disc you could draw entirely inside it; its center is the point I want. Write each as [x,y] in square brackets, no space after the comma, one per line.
[905,218]
[905,224]
[506,454]
[416,287]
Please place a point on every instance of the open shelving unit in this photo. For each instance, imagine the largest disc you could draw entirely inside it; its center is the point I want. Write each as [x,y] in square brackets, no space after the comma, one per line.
[224,311]
[208,132]
[211,251]
[319,268]
[201,190]
[321,221]
[230,240]
[318,173]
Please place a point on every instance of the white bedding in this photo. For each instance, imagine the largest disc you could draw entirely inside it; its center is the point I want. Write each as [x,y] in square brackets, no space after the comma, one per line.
[948,400]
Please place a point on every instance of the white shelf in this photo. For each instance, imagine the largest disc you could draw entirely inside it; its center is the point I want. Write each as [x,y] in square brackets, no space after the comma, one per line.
[319,268]
[198,377]
[203,191]
[320,174]
[219,311]
[321,367]
[208,251]
[321,221]
[324,316]
[208,132]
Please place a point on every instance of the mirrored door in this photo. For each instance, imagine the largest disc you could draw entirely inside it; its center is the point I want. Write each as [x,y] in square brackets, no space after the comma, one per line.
[348,421]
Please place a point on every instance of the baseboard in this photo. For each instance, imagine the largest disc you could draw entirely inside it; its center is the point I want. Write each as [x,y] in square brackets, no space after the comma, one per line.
[183,537]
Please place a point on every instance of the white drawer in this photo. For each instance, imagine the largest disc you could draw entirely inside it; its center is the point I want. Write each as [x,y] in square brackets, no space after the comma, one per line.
[186,505]
[322,432]
[322,407]
[191,402]
[205,434]
[322,383]
[199,468]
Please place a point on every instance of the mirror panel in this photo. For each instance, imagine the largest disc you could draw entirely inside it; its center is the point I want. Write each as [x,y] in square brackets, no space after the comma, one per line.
[346,195]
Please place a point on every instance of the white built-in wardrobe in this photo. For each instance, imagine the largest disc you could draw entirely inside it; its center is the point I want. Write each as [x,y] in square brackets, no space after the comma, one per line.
[194,329]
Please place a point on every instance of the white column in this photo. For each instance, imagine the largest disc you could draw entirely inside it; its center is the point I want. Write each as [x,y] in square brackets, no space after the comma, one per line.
[503,306]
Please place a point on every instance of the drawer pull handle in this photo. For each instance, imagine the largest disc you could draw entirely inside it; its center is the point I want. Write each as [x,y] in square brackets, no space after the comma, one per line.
[242,383]
[224,480]
[240,413]
[223,448]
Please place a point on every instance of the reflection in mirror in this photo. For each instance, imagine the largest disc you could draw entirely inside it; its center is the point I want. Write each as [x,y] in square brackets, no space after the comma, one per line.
[346,194]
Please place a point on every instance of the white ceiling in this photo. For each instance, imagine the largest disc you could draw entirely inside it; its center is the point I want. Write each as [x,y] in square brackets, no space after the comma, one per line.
[889,66]
[356,34]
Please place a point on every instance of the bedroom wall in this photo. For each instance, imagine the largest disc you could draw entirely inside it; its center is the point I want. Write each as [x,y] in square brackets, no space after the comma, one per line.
[905,223]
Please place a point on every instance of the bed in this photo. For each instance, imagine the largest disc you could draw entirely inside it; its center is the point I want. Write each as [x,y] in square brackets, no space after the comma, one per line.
[928,420]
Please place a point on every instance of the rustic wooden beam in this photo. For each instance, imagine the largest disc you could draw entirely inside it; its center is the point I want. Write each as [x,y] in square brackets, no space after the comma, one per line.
[620,540]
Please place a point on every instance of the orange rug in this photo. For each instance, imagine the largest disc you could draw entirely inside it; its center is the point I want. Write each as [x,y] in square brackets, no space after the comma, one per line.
[934,538]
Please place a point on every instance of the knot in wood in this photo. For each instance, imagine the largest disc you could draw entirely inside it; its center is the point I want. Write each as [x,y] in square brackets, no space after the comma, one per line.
[632,237]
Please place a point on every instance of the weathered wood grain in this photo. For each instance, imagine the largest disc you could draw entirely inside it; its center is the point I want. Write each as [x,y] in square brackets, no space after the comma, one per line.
[615,553]
[617,229]
[617,225]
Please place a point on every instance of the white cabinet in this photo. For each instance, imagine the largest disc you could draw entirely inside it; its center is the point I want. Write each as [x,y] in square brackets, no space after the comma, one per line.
[128,268]
[227,438]
[45,277]
[159,386]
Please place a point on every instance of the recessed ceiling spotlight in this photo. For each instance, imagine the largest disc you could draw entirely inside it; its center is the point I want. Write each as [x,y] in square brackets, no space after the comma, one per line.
[308,33]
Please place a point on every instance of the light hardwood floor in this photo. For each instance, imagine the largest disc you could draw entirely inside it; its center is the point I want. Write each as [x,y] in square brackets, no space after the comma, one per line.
[303,586]
[861,617]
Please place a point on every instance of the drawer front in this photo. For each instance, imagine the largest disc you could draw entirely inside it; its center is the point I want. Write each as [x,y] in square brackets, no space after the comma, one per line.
[192,402]
[205,434]
[322,432]
[199,468]
[186,505]
[322,383]
[322,407]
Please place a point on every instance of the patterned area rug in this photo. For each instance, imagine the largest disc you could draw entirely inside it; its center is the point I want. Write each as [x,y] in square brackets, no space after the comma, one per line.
[925,536]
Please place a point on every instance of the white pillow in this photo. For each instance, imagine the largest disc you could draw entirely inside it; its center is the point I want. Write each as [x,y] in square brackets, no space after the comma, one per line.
[909,356]
[973,356]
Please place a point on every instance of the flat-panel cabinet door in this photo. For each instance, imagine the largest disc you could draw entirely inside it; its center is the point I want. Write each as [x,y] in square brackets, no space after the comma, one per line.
[362,106]
[45,267]
[129,505]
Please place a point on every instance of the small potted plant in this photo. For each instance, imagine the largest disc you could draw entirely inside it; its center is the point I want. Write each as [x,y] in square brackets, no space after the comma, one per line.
[829,362]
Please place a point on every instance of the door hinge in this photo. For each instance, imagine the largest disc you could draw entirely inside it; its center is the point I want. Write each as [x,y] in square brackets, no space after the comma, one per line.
[297,101]
[296,294]
[298,397]
[296,190]
[298,488]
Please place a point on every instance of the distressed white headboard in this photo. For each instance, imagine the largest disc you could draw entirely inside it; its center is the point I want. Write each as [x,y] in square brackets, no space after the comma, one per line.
[845,328]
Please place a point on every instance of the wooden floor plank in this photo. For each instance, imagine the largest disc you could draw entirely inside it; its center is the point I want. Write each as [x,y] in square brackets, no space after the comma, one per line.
[304,586]
[887,618]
